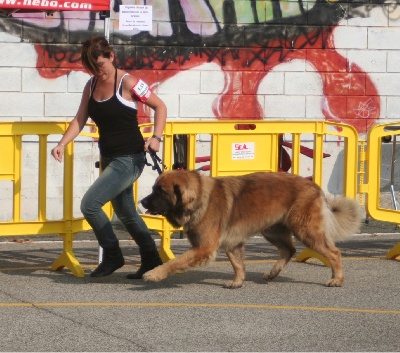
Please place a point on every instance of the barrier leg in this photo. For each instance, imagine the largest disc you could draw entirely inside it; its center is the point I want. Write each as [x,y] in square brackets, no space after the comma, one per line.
[68,259]
[394,252]
[165,250]
[308,253]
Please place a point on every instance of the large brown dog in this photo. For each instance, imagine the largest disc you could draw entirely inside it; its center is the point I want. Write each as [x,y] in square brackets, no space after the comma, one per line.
[221,213]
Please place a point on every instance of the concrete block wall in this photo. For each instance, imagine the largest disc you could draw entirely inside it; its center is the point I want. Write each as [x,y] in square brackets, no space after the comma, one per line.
[220,59]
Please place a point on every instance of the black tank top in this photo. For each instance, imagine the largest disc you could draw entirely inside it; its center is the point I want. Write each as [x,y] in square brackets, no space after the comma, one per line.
[119,133]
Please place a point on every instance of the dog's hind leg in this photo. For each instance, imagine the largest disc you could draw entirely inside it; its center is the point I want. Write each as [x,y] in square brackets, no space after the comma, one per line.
[236,257]
[281,237]
[319,243]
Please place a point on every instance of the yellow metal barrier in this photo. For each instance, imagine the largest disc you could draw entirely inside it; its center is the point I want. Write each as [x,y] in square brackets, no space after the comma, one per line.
[11,141]
[373,187]
[236,150]
[235,147]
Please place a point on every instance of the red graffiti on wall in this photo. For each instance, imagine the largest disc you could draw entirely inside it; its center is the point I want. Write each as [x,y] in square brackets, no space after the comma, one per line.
[350,96]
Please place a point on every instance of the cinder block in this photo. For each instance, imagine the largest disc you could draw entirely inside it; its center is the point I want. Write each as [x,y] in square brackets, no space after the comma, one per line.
[314,107]
[273,83]
[303,83]
[393,108]
[377,17]
[383,38]
[211,82]
[285,107]
[64,105]
[172,103]
[33,82]
[77,81]
[17,55]
[196,106]
[393,60]
[367,60]
[21,104]
[186,82]
[388,85]
[10,79]
[346,37]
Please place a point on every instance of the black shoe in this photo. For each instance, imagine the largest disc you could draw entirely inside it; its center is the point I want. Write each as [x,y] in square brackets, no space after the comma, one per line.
[150,260]
[112,261]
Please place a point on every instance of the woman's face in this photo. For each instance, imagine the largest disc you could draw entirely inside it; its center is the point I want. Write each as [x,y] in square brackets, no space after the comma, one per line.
[106,68]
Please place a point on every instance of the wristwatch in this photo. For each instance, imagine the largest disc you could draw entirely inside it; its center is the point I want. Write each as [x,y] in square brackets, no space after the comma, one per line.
[156,137]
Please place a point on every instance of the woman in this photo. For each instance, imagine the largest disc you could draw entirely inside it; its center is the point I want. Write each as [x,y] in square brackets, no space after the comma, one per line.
[110,99]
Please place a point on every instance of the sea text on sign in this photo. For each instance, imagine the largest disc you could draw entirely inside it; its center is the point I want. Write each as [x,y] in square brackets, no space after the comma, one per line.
[243,150]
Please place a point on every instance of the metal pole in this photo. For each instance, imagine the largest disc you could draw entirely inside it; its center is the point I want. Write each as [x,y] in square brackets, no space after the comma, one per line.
[105,15]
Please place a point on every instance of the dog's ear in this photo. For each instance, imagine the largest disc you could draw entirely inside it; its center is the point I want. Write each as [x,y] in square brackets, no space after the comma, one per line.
[184,196]
[178,195]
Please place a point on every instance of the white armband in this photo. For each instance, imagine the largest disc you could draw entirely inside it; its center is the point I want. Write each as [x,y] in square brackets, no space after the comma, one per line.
[141,91]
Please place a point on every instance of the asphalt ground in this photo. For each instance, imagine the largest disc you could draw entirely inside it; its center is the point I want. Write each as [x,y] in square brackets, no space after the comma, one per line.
[43,310]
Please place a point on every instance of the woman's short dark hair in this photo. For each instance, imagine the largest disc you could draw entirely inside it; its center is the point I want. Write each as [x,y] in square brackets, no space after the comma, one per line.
[92,48]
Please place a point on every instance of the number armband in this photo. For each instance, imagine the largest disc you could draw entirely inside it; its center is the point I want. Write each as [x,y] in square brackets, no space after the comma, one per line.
[141,91]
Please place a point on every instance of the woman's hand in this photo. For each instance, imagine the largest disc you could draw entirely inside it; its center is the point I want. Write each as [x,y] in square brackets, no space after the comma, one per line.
[57,152]
[153,143]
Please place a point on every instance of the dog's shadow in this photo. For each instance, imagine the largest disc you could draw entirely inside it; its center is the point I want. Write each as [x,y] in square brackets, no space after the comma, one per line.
[41,260]
[176,281]
[213,279]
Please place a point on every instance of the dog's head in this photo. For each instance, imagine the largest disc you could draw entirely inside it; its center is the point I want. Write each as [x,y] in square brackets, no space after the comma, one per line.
[175,194]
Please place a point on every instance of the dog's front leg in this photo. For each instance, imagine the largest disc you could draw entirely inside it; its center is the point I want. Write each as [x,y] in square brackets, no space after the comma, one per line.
[236,257]
[191,258]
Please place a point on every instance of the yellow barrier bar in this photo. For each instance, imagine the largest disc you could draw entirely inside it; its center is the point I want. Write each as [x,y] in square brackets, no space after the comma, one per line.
[317,159]
[362,159]
[42,207]
[296,154]
[17,179]
[275,152]
[191,151]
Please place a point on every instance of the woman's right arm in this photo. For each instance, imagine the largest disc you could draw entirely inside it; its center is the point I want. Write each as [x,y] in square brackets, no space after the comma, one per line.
[75,126]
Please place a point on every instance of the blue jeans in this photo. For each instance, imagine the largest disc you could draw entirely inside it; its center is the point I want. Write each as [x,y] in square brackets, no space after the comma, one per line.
[115,184]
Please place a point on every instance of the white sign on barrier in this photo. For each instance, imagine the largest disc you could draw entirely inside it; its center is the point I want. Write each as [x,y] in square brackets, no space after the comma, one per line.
[243,150]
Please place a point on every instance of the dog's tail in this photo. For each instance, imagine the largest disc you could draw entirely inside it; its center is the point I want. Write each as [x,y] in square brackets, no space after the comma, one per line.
[343,217]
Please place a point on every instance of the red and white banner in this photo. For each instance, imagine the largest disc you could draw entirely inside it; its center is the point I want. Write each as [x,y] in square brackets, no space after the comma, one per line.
[56,5]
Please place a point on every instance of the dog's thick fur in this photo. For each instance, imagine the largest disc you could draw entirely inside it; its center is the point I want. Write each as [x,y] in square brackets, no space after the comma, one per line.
[221,213]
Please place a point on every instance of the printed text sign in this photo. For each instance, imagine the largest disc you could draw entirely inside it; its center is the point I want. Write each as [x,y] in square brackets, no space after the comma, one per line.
[243,150]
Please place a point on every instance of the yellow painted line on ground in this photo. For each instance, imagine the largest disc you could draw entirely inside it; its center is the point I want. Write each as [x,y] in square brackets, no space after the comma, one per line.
[363,258]
[36,268]
[207,305]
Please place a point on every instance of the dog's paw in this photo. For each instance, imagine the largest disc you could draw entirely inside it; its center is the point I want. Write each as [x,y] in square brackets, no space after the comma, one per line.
[233,284]
[152,276]
[335,282]
[269,276]
[273,273]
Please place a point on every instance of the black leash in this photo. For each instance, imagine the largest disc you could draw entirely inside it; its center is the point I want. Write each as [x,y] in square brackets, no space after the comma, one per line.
[156,161]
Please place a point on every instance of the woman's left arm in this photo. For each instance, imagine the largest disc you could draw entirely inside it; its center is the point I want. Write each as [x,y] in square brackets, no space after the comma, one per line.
[160,118]
[139,90]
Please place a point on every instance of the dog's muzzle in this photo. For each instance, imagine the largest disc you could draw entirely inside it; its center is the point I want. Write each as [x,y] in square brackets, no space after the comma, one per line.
[146,203]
